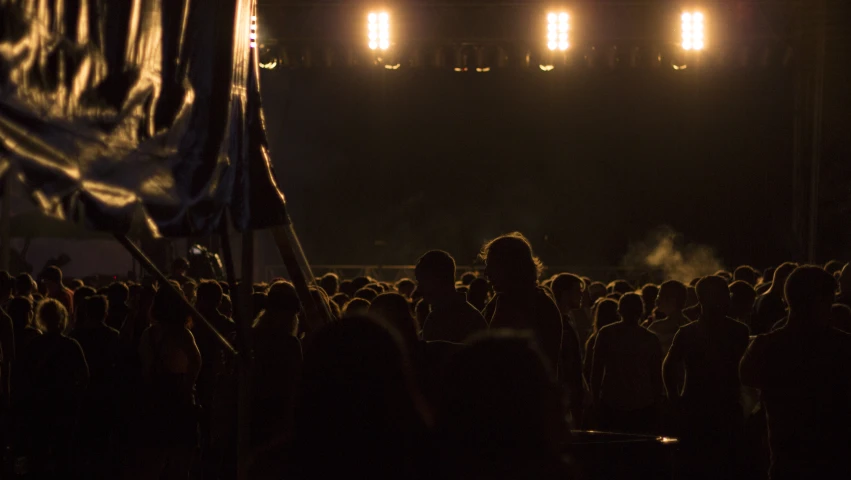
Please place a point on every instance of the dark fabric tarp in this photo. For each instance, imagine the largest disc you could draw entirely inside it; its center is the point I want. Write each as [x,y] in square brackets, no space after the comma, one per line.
[114,108]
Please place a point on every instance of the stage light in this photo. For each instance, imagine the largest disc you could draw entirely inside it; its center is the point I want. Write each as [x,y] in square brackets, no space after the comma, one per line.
[546,68]
[252,37]
[558,26]
[692,31]
[378,30]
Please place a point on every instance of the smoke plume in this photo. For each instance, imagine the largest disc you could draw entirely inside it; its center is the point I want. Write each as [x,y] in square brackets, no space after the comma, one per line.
[663,251]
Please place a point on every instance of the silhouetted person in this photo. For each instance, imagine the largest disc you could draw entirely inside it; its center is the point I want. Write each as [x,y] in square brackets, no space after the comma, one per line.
[840,317]
[478,294]
[21,312]
[649,293]
[366,293]
[340,299]
[277,365]
[118,295]
[348,287]
[670,304]
[845,286]
[742,298]
[406,287]
[746,274]
[468,277]
[180,270]
[330,282]
[100,346]
[500,415]
[567,290]
[356,307]
[452,318]
[359,415]
[395,311]
[620,286]
[167,423]
[770,306]
[709,351]
[52,278]
[25,286]
[626,372]
[596,290]
[54,376]
[519,303]
[605,314]
[79,314]
[802,371]
[216,358]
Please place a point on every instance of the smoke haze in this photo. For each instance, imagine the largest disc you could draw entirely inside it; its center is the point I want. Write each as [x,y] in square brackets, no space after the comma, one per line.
[663,251]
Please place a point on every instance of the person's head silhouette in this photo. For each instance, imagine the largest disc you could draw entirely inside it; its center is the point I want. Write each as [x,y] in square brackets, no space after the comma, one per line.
[52,317]
[394,310]
[209,295]
[406,287]
[607,314]
[330,282]
[742,297]
[567,290]
[435,272]
[20,309]
[810,293]
[479,293]
[356,307]
[52,277]
[510,263]
[97,307]
[24,285]
[747,274]
[780,275]
[713,294]
[649,292]
[672,297]
[631,308]
[845,279]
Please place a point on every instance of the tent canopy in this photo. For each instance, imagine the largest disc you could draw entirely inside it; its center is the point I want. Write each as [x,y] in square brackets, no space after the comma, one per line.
[109,107]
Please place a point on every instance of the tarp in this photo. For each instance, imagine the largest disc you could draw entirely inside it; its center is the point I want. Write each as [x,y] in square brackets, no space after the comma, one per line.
[111,107]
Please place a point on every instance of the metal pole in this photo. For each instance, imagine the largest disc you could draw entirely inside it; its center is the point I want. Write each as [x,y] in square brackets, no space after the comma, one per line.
[150,267]
[818,107]
[6,222]
[241,297]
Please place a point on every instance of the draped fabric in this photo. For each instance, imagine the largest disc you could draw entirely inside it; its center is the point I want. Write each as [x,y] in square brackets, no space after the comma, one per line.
[116,111]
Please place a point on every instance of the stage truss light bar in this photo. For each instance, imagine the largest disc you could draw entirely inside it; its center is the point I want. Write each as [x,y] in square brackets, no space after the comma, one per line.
[693,31]
[558,26]
[252,36]
[378,30]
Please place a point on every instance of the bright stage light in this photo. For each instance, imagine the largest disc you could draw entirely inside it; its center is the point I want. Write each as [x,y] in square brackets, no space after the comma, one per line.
[252,37]
[558,26]
[692,30]
[378,30]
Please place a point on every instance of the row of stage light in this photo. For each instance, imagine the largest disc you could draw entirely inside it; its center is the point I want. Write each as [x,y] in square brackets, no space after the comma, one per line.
[555,39]
[692,31]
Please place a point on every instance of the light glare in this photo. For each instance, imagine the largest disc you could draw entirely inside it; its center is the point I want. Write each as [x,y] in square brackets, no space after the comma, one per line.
[558,24]
[378,30]
[692,31]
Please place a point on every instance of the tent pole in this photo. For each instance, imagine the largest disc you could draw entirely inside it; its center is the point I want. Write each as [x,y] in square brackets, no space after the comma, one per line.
[299,270]
[164,283]
[241,297]
[6,222]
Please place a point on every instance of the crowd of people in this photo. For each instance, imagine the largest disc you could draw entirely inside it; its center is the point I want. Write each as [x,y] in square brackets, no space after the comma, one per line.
[482,376]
